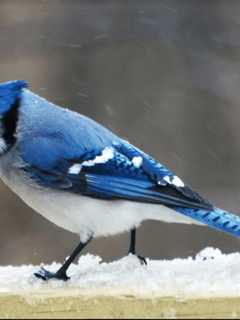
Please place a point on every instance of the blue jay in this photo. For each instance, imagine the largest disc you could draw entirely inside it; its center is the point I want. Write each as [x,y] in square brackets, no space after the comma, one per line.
[85,179]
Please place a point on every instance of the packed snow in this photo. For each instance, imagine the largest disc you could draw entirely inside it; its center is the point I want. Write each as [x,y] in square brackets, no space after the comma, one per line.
[209,274]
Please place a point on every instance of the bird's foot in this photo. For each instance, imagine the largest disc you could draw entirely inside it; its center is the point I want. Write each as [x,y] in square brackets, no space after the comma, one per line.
[141,259]
[47,275]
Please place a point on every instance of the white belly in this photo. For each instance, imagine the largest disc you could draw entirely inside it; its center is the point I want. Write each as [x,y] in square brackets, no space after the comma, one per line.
[84,215]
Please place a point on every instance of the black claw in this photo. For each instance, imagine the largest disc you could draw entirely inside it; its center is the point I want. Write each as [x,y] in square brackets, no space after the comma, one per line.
[47,275]
[142,260]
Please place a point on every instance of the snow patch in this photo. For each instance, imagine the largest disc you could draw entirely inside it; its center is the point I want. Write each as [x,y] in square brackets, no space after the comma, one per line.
[107,154]
[137,161]
[209,274]
[208,254]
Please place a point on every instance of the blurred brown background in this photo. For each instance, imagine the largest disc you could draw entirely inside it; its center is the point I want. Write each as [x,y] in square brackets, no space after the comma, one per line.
[164,74]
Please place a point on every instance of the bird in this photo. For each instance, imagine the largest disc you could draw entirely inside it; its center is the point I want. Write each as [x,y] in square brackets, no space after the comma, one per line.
[86,179]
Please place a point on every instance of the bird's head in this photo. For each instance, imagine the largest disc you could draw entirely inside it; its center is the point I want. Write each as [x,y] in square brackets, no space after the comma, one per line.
[10,95]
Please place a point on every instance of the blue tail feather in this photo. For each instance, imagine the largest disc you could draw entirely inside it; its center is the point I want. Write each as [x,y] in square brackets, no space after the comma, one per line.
[218,219]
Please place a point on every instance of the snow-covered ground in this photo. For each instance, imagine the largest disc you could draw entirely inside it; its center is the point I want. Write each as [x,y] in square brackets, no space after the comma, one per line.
[210,273]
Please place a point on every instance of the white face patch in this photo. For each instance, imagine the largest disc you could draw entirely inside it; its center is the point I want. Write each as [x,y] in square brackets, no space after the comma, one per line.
[137,161]
[174,180]
[75,169]
[107,154]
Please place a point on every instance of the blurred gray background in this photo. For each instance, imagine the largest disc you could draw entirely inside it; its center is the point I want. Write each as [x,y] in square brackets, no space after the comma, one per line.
[163,74]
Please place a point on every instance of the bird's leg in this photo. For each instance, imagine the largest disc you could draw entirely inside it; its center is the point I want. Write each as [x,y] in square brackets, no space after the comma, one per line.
[61,272]
[132,247]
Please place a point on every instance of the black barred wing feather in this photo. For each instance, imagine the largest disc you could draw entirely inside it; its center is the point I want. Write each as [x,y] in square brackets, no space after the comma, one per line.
[120,171]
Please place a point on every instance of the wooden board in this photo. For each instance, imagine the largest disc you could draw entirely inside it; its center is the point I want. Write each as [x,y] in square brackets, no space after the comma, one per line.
[68,303]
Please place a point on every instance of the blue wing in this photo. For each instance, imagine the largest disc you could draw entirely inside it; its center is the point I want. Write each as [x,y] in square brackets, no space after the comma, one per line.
[50,162]
[66,151]
[53,163]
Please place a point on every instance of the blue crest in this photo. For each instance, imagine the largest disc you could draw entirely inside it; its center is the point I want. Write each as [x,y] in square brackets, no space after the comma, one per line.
[9,92]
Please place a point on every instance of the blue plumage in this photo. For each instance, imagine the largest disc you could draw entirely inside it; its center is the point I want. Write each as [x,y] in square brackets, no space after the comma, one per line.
[60,135]
[73,157]
[9,93]
[63,144]
[217,218]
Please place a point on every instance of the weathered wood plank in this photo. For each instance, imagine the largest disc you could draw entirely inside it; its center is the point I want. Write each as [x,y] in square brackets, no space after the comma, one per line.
[67,303]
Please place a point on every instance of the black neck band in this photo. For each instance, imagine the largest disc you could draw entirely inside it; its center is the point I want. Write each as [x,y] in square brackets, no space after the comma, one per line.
[9,122]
